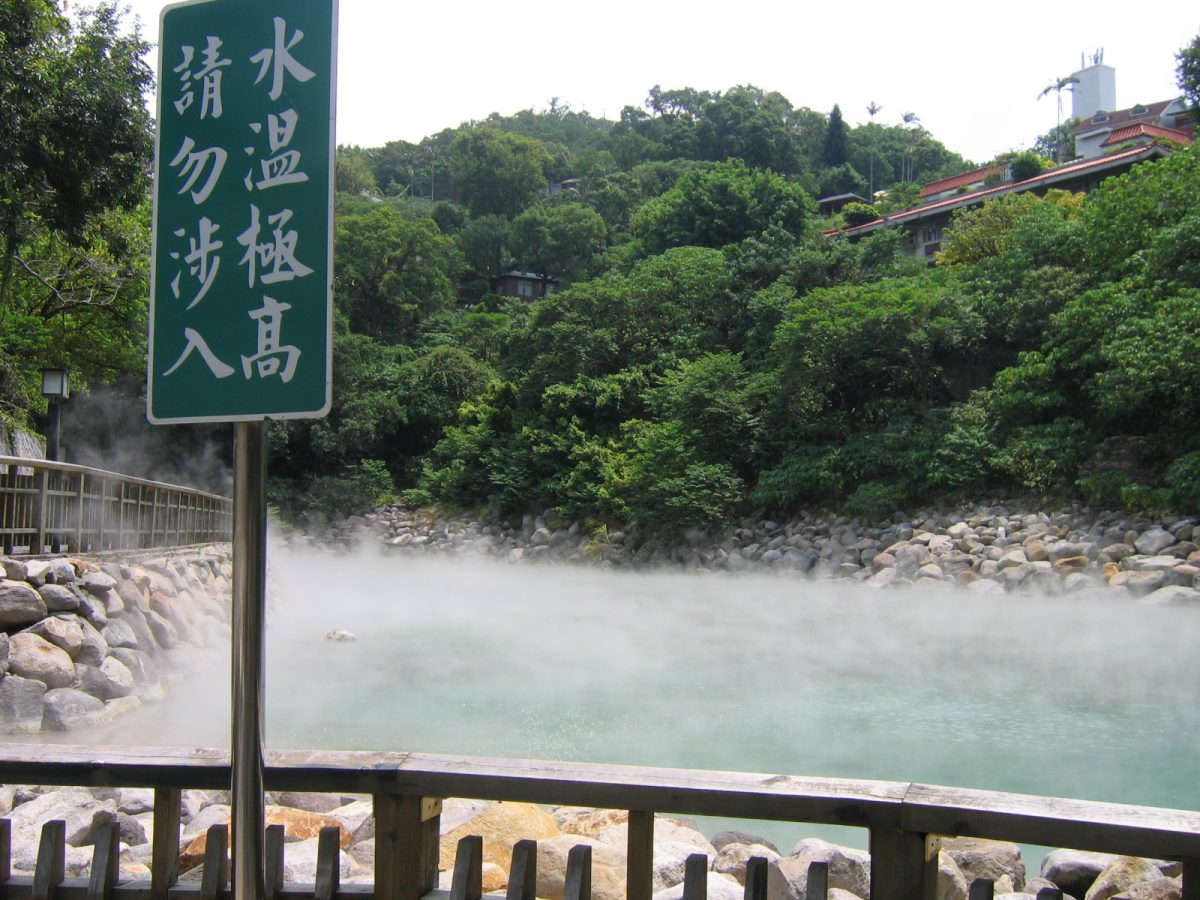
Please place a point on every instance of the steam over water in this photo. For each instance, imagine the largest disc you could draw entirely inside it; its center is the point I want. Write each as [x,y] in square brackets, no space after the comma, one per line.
[1065,696]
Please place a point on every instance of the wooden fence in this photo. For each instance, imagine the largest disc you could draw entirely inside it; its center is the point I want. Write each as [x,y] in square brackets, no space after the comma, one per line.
[904,821]
[49,507]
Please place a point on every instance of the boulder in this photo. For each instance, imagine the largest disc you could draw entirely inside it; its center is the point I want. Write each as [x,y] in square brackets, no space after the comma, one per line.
[62,633]
[952,883]
[21,708]
[300,862]
[1162,888]
[1153,541]
[978,858]
[501,826]
[608,867]
[81,812]
[31,656]
[1074,871]
[20,605]
[722,838]
[69,709]
[1171,595]
[298,826]
[849,869]
[119,633]
[719,887]
[58,598]
[1120,875]
[97,583]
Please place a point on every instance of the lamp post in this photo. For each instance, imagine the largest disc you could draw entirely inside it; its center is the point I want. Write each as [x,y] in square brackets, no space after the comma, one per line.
[55,388]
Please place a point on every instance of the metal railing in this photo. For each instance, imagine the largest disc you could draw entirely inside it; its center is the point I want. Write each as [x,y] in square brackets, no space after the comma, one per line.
[905,822]
[51,507]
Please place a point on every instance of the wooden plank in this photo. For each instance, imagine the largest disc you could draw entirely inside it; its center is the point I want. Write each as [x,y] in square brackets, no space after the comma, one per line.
[817,882]
[904,865]
[51,860]
[982,889]
[105,863]
[164,860]
[522,876]
[578,883]
[467,883]
[406,845]
[639,864]
[216,863]
[695,877]
[328,863]
[5,850]
[273,854]
[1053,822]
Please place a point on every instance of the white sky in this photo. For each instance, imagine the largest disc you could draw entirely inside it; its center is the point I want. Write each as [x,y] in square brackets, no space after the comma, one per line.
[971,71]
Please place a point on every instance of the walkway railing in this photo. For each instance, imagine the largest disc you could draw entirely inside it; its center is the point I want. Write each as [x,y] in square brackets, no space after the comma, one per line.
[49,507]
[905,821]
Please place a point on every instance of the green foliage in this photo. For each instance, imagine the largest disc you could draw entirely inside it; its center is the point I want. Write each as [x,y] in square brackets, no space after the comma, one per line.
[834,151]
[719,206]
[1187,71]
[1027,165]
[352,172]
[496,173]
[859,214]
[356,489]
[560,240]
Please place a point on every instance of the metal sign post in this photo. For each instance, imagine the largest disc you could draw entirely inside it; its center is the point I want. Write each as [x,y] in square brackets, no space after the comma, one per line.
[241,309]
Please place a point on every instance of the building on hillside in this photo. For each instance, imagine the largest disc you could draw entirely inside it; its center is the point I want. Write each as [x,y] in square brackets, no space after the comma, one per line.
[962,183]
[828,206]
[529,285]
[1103,130]
[925,223]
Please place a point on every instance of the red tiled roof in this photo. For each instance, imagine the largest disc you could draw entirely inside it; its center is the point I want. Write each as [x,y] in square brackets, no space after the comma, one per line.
[1122,117]
[1049,178]
[954,182]
[1145,129]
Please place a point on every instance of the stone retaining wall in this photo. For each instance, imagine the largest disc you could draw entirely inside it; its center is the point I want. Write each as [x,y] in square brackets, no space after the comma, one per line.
[83,640]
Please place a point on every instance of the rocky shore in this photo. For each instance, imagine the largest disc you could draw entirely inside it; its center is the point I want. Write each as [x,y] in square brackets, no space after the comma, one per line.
[82,641]
[989,548]
[1080,875]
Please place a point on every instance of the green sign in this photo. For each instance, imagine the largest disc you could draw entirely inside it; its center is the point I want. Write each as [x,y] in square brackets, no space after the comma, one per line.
[241,300]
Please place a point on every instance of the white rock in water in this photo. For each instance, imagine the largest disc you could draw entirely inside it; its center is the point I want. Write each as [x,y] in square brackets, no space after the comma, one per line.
[341,634]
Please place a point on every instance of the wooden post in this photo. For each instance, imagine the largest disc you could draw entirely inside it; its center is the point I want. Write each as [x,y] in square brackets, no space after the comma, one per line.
[273,882]
[5,850]
[406,845]
[1191,879]
[51,860]
[695,877]
[328,863]
[522,877]
[756,878]
[105,863]
[216,863]
[38,543]
[468,869]
[904,865]
[639,872]
[578,884]
[164,862]
[818,881]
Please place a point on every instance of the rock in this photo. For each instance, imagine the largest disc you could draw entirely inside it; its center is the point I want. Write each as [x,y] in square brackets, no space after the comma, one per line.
[1155,889]
[731,859]
[987,859]
[1074,871]
[300,862]
[165,634]
[952,883]
[1153,541]
[62,633]
[719,887]
[849,869]
[20,605]
[58,598]
[108,681]
[309,802]
[31,656]
[341,635]
[81,812]
[1120,875]
[586,821]
[21,708]
[147,683]
[721,838]
[608,867]
[298,826]
[1171,595]
[68,709]
[501,825]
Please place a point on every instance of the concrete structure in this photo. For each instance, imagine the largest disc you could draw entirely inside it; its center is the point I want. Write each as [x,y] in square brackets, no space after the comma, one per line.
[1140,124]
[1094,90]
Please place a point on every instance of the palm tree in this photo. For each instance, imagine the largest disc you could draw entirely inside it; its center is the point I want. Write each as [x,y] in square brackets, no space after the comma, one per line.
[1058,85]
[873,110]
[912,136]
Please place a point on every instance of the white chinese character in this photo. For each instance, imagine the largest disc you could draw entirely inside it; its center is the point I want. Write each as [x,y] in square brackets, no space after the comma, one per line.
[283,167]
[279,254]
[279,59]
[203,263]
[196,342]
[271,354]
[194,165]
[209,74]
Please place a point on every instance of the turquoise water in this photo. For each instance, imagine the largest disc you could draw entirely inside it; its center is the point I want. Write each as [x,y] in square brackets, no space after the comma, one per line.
[1076,697]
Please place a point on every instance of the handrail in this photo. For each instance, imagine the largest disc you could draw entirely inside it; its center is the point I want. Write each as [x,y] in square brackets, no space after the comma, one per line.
[905,820]
[53,507]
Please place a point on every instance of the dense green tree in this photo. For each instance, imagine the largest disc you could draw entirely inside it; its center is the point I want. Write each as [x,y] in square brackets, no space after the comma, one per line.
[352,172]
[834,152]
[495,172]
[485,244]
[390,272]
[561,240]
[721,205]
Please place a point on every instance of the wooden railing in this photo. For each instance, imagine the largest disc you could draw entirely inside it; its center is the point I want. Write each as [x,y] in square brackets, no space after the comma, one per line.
[49,507]
[904,821]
